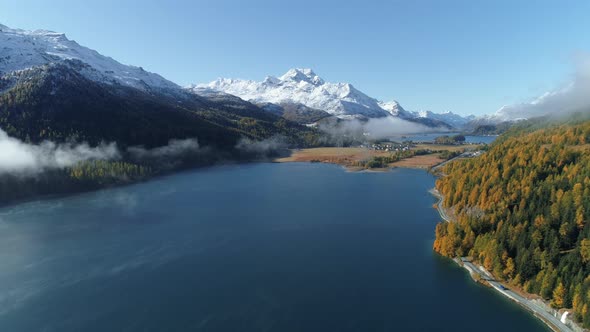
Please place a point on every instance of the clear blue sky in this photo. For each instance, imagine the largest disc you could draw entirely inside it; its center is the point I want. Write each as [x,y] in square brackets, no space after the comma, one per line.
[466,56]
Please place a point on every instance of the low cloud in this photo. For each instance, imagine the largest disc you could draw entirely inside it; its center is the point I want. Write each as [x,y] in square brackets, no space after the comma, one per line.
[24,159]
[375,128]
[261,149]
[178,152]
[572,97]
[392,126]
[174,148]
[17,157]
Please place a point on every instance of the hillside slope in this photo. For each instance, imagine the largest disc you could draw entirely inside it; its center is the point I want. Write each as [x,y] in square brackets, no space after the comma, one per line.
[523,211]
[55,102]
[22,49]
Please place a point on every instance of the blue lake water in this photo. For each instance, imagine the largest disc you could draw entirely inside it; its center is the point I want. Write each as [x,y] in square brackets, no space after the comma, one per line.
[260,247]
[431,136]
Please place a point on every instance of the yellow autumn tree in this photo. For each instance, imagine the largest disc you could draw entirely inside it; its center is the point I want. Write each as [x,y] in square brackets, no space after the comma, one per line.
[558,296]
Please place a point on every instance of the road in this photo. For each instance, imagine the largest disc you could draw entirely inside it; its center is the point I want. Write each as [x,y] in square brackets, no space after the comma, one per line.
[436,193]
[553,322]
[439,205]
[461,156]
[432,170]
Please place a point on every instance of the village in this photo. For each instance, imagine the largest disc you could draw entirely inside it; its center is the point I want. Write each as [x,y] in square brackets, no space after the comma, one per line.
[389,146]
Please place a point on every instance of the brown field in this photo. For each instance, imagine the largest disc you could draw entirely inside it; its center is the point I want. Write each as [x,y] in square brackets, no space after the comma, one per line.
[341,156]
[425,161]
[348,156]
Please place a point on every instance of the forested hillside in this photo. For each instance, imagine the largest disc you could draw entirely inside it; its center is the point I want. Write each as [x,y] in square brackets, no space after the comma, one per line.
[56,103]
[523,211]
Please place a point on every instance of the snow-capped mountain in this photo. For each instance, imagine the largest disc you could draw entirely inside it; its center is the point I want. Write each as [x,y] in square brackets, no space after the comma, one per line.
[395,109]
[455,120]
[21,49]
[303,86]
[300,86]
[298,92]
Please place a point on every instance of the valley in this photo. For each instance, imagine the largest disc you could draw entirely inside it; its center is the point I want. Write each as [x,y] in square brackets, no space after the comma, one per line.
[172,201]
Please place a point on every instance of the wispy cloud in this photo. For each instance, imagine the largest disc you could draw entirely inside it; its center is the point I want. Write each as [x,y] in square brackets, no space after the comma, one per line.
[177,152]
[375,128]
[24,159]
[263,148]
[572,97]
[17,157]
[392,126]
[173,149]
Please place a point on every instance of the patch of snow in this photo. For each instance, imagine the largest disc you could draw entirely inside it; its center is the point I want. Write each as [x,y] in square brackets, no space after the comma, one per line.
[22,49]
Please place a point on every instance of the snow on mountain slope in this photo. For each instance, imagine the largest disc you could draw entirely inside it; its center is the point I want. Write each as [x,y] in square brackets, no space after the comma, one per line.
[455,120]
[21,49]
[395,109]
[451,118]
[300,86]
[303,86]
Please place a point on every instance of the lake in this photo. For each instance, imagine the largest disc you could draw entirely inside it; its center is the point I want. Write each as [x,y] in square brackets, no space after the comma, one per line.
[257,247]
[429,137]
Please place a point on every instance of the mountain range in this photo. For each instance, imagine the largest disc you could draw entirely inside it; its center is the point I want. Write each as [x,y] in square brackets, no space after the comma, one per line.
[302,86]
[52,88]
[57,95]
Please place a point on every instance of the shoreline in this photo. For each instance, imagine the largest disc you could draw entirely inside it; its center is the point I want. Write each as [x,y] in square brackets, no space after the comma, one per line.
[485,278]
[551,319]
[57,195]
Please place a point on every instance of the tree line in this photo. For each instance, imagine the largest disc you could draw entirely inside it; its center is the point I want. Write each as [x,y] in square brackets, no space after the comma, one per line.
[523,211]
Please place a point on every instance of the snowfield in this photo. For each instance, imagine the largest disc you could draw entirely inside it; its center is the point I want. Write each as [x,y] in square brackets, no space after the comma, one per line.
[21,49]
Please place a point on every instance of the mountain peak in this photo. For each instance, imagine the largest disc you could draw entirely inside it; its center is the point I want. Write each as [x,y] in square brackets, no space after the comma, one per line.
[302,74]
[23,49]
[271,80]
[303,86]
